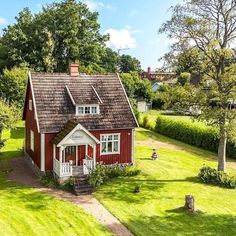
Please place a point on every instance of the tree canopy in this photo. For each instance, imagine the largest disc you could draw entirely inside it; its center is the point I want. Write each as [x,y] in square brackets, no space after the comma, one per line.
[210,27]
[61,33]
[128,63]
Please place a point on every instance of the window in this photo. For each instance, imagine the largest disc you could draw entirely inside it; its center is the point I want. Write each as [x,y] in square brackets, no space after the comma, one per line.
[32,140]
[87,109]
[80,110]
[110,143]
[94,110]
[30,105]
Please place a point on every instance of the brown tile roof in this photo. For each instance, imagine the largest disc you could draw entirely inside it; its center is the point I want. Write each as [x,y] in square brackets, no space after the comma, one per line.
[83,94]
[55,108]
[69,126]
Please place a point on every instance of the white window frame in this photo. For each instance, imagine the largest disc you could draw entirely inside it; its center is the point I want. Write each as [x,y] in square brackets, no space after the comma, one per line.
[30,104]
[90,109]
[32,140]
[101,141]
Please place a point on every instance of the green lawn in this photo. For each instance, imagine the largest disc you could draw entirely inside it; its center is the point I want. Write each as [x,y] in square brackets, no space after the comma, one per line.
[152,115]
[157,209]
[26,211]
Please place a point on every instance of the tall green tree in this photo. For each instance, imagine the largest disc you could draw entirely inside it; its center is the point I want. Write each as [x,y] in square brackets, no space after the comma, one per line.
[8,118]
[13,84]
[136,87]
[210,26]
[128,63]
[61,33]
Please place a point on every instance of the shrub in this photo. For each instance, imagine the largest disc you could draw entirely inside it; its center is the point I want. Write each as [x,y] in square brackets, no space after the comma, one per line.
[146,123]
[213,176]
[48,180]
[102,173]
[194,134]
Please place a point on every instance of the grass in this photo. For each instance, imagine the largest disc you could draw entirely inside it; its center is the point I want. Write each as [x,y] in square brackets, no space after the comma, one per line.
[152,115]
[26,211]
[158,208]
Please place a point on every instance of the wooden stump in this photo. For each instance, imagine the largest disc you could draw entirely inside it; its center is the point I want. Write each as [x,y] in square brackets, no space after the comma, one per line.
[189,202]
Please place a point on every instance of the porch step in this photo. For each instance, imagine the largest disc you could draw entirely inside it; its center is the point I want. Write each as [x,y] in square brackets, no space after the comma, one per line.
[82,185]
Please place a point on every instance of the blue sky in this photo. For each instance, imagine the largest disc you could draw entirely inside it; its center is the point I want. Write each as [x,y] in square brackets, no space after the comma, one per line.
[132,24]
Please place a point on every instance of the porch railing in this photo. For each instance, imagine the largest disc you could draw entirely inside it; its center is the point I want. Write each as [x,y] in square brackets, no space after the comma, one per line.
[62,169]
[88,165]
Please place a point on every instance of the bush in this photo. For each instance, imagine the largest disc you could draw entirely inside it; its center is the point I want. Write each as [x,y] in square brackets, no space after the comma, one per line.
[102,173]
[146,124]
[196,135]
[213,176]
[48,180]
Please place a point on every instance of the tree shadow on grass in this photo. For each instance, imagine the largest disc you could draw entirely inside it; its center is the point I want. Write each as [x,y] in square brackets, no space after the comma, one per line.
[179,222]
[123,189]
[28,197]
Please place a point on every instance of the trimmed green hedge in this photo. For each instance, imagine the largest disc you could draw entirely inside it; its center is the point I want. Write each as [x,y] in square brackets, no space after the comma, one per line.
[192,133]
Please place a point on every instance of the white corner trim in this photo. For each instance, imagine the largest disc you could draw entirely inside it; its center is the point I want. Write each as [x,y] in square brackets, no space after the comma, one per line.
[100,100]
[42,152]
[34,103]
[132,148]
[128,100]
[72,99]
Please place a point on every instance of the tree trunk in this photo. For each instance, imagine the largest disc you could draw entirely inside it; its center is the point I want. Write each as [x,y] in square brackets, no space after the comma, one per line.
[222,149]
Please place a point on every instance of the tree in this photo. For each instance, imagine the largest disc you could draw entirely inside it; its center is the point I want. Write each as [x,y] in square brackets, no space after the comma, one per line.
[13,84]
[61,33]
[184,78]
[136,87]
[128,63]
[8,118]
[210,26]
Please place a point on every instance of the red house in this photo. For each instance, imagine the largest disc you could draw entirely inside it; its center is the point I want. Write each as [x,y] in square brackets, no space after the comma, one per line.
[74,121]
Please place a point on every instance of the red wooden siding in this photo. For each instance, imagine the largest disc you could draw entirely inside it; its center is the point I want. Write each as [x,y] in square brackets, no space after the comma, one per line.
[49,151]
[125,147]
[30,124]
[123,157]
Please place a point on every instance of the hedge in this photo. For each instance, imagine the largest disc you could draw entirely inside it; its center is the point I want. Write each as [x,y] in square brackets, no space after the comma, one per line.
[194,134]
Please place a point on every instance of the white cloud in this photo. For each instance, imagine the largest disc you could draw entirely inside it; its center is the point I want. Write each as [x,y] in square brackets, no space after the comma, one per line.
[133,13]
[94,6]
[3,21]
[121,38]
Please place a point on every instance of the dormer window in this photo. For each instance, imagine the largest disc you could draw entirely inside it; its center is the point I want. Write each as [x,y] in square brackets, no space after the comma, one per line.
[87,109]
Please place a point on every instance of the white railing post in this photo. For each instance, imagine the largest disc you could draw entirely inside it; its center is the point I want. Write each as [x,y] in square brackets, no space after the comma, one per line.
[60,160]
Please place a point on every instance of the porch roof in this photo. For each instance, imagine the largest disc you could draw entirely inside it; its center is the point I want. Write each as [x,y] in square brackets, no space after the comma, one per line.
[70,127]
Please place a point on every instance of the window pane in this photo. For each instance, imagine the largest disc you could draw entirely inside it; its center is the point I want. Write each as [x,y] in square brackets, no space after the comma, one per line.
[115,137]
[103,147]
[109,147]
[104,137]
[115,146]
[87,110]
[94,110]
[109,137]
[80,110]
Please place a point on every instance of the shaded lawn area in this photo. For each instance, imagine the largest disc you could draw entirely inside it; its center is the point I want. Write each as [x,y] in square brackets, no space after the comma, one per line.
[26,211]
[157,209]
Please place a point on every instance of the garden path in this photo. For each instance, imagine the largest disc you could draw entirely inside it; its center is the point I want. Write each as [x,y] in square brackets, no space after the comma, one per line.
[22,174]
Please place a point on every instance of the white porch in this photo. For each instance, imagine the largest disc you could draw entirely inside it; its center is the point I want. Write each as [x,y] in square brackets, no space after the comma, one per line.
[66,159]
